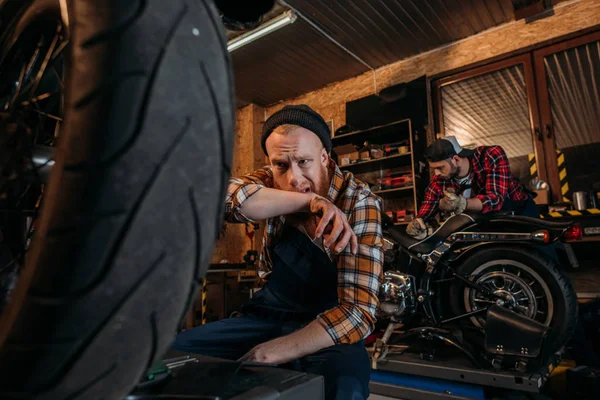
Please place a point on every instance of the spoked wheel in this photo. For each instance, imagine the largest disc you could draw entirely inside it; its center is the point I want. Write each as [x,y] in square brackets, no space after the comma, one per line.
[515,286]
[128,218]
[31,104]
[31,101]
[523,281]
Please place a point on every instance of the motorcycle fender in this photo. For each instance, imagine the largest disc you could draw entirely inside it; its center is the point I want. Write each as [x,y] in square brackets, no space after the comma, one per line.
[459,252]
[521,224]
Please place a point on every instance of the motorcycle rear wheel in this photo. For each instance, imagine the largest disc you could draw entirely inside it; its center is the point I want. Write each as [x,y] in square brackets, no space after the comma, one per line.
[134,203]
[533,285]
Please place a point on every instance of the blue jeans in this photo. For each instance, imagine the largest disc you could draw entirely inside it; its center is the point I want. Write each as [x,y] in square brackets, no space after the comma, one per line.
[345,367]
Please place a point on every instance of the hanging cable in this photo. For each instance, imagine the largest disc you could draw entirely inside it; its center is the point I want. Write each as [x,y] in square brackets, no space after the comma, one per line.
[330,38]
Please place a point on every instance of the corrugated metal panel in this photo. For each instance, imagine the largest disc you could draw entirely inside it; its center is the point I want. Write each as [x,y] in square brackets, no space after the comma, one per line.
[384,31]
[289,62]
[298,59]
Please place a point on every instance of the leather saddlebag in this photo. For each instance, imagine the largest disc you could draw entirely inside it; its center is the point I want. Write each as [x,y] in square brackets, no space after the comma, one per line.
[511,334]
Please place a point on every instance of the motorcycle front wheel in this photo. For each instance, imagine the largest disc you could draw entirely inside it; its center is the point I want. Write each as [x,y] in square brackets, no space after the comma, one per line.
[134,202]
[522,280]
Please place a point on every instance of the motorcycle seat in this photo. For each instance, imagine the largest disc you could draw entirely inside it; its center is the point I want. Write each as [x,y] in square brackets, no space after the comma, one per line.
[460,222]
[427,245]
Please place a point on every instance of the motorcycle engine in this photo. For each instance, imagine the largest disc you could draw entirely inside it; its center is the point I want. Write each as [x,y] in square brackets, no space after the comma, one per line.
[396,294]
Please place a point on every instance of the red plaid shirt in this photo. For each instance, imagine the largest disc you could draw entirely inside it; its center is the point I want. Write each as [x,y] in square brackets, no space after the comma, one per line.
[491,182]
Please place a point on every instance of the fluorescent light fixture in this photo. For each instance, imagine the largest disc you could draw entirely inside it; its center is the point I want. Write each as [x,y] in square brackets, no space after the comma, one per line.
[272,25]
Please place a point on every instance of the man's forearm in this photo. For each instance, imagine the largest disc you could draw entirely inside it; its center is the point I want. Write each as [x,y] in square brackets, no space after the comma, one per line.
[310,339]
[474,204]
[268,203]
[307,340]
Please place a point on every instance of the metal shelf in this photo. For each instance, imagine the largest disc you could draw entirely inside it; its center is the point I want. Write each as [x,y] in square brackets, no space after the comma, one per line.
[382,159]
[400,189]
[345,135]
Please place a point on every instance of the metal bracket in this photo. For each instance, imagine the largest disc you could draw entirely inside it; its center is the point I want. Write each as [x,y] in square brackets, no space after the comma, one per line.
[435,256]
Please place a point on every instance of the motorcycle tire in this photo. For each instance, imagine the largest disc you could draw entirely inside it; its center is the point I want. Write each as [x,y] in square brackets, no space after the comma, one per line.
[564,319]
[135,200]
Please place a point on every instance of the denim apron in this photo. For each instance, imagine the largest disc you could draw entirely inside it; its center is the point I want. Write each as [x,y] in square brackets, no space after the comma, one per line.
[303,280]
[303,284]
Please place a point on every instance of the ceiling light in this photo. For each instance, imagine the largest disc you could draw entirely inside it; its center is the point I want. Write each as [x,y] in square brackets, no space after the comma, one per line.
[270,26]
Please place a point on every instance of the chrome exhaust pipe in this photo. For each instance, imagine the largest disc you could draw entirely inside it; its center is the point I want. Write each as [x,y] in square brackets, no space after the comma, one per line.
[42,159]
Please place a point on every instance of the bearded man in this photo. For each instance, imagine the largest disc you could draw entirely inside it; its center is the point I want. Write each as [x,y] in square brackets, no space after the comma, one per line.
[322,258]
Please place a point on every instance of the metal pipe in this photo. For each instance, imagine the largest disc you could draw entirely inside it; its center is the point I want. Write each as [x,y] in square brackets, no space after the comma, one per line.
[465,315]
[332,40]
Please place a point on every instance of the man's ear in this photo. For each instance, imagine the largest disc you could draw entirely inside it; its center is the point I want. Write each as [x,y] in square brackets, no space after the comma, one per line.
[456,159]
[324,157]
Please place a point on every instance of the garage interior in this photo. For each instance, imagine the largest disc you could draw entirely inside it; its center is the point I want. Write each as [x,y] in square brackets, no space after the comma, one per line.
[520,74]
[299,199]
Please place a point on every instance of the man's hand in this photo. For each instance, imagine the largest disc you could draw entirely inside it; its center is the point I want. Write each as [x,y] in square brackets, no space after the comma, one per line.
[333,226]
[452,202]
[276,351]
[417,229]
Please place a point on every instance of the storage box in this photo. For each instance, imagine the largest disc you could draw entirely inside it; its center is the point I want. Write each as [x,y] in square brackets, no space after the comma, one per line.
[542,197]
[376,153]
[390,182]
[346,154]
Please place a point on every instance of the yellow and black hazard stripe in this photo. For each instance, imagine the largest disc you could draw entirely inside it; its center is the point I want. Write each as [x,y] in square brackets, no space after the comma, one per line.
[572,213]
[562,174]
[204,296]
[533,170]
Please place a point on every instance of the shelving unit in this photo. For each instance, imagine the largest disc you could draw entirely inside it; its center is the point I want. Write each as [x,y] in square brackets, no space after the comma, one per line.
[382,159]
[382,163]
[378,168]
[378,192]
[371,129]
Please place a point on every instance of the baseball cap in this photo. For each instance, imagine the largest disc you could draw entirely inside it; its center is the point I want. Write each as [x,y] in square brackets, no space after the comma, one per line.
[445,148]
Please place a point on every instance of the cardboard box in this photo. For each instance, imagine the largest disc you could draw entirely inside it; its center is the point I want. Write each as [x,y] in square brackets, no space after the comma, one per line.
[376,153]
[346,154]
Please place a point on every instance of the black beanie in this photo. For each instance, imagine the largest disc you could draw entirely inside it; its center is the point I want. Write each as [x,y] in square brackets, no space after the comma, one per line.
[301,115]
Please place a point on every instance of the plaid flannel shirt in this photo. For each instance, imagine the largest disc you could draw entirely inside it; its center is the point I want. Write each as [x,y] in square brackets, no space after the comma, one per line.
[359,276]
[491,182]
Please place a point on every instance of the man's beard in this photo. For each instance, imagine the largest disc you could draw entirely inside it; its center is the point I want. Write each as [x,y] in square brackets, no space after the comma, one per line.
[325,182]
[454,171]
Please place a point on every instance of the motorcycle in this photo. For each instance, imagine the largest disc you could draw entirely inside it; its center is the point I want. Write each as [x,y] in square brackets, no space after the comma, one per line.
[488,285]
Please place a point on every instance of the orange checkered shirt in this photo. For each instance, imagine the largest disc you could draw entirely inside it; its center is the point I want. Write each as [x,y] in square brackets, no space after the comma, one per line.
[359,276]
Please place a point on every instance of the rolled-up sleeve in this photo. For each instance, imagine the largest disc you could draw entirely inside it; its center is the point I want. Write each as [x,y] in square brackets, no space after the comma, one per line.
[359,277]
[497,170]
[241,189]
[430,203]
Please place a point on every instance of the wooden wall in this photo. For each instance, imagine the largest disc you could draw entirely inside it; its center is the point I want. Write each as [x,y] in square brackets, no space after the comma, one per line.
[569,17]
[247,156]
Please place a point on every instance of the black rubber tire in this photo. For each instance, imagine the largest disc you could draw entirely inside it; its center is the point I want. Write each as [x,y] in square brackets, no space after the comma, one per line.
[135,201]
[564,320]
